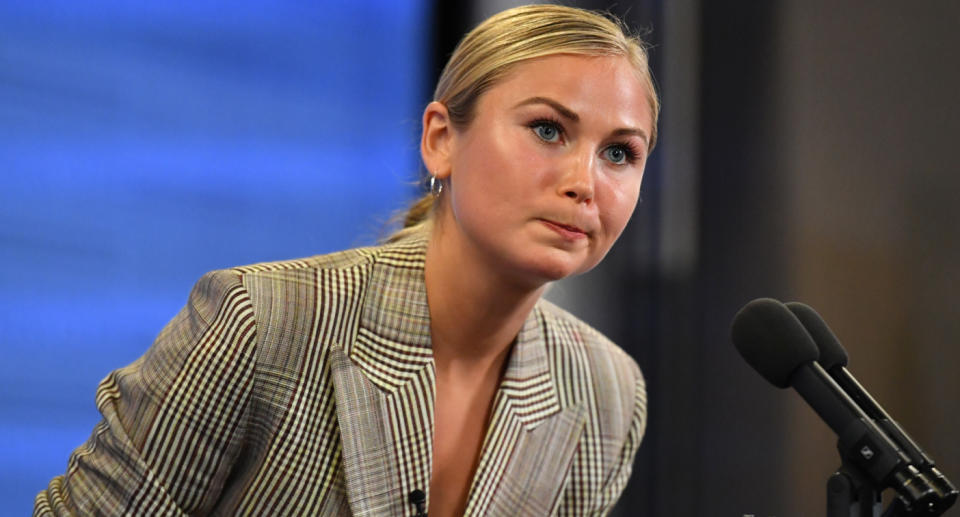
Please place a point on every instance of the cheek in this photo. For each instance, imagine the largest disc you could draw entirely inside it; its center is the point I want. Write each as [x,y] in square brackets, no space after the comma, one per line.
[529,154]
[520,160]
[617,201]
[514,168]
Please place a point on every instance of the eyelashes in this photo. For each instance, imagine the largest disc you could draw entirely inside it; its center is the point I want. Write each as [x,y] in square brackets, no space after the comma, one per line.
[621,153]
[550,131]
[547,129]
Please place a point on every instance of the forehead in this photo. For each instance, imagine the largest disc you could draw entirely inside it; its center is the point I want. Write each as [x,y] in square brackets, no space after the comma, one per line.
[586,84]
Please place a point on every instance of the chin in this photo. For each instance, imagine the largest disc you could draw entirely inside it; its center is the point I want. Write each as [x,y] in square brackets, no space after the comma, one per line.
[551,268]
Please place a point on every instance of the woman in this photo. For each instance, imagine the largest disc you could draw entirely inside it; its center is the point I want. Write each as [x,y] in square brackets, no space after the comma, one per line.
[426,373]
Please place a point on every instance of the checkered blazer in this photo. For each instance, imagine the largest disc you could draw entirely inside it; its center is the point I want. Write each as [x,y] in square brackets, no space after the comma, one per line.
[306,387]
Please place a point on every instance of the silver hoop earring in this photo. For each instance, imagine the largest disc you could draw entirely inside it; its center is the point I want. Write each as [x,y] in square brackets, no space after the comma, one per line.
[436,186]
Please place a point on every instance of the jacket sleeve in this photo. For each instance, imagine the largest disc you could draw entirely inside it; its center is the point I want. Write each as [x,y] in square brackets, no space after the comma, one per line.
[617,480]
[173,420]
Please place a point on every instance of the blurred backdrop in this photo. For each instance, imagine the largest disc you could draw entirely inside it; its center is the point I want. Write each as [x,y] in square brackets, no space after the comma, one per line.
[806,153]
[144,143]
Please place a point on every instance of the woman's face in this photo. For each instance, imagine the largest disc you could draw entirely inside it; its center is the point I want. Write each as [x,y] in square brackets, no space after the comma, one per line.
[547,174]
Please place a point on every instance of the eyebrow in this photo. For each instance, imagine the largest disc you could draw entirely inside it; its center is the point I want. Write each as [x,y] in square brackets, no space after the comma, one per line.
[633,132]
[561,109]
[567,113]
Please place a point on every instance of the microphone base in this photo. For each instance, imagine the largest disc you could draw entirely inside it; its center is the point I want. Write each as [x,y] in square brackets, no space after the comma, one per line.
[849,495]
[852,494]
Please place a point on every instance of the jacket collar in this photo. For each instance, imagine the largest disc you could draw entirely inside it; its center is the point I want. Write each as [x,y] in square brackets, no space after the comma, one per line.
[395,342]
[384,384]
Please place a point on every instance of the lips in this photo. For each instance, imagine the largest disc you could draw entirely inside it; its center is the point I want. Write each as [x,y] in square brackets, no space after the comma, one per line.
[569,227]
[568,231]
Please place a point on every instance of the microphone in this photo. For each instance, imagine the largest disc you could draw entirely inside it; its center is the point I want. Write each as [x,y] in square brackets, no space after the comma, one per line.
[418,499]
[833,358]
[776,344]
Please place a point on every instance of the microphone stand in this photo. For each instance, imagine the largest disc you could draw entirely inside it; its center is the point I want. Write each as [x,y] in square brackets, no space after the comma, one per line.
[852,494]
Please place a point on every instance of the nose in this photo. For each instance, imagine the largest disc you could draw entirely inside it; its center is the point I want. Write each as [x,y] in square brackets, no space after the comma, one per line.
[577,182]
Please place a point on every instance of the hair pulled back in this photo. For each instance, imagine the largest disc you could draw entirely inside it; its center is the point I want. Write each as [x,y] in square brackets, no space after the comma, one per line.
[488,53]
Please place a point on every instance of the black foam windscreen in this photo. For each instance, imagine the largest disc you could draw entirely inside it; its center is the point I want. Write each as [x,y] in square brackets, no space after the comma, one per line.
[772,340]
[832,352]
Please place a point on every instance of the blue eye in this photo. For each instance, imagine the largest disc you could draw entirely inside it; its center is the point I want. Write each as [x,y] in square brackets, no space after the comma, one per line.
[618,154]
[547,131]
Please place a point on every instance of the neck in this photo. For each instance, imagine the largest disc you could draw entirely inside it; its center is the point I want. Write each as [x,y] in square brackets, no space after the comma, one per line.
[475,312]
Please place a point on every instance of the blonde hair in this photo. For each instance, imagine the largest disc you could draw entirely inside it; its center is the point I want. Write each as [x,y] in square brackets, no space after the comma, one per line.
[488,52]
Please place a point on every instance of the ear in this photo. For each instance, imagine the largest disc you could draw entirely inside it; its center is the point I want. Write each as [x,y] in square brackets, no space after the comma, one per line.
[436,140]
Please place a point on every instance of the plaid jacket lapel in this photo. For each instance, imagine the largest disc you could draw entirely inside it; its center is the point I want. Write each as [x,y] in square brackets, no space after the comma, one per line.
[384,387]
[531,439]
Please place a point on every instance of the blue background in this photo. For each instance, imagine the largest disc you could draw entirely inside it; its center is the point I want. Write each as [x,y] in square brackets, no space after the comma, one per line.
[142,144]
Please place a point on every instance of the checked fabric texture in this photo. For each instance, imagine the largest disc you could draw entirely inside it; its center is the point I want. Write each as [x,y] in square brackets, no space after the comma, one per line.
[306,387]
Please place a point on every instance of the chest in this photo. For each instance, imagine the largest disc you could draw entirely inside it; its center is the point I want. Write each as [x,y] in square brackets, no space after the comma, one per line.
[385,441]
[461,416]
